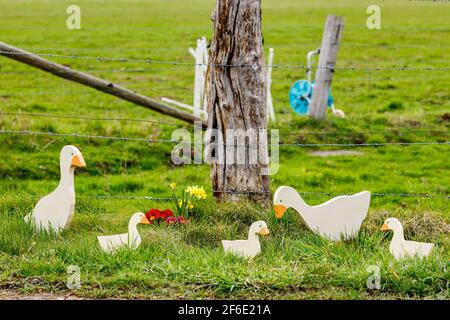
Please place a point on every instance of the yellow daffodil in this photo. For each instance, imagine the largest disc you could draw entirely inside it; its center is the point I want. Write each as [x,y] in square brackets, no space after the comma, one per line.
[197,192]
[172,186]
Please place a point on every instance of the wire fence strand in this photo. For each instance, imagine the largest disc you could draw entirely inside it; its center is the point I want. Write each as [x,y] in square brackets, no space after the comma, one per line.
[215,65]
[168,198]
[51,116]
[299,133]
[333,194]
[400,131]
[171,141]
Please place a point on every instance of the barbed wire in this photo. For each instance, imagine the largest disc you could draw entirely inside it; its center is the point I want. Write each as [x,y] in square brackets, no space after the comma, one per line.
[362,132]
[100,197]
[215,65]
[51,116]
[429,0]
[207,28]
[84,136]
[315,194]
[355,145]
[342,79]
[266,45]
[150,198]
[333,194]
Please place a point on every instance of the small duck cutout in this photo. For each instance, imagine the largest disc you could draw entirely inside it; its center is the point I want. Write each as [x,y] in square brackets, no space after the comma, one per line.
[399,247]
[130,240]
[251,247]
[337,219]
[55,211]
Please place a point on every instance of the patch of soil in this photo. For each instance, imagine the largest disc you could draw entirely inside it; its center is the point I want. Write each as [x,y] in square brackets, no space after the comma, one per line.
[15,295]
[445,117]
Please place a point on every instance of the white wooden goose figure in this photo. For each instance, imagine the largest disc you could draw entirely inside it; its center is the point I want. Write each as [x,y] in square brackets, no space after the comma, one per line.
[55,211]
[337,219]
[399,247]
[251,247]
[132,239]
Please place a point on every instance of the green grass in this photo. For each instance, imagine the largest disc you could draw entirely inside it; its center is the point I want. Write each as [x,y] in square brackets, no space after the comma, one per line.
[187,261]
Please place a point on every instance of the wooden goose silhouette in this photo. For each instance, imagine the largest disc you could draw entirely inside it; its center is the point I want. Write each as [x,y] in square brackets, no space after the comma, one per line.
[399,247]
[132,239]
[247,248]
[55,211]
[337,219]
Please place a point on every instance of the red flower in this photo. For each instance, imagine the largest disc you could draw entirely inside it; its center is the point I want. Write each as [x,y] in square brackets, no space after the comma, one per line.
[183,220]
[168,213]
[156,215]
[171,220]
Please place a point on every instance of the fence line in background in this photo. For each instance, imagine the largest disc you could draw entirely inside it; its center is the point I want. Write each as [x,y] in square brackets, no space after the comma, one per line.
[362,133]
[266,45]
[251,66]
[409,195]
[87,118]
[315,194]
[207,28]
[311,145]
[52,116]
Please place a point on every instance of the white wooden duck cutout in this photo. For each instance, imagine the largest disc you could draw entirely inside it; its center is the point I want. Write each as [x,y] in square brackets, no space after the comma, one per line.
[251,247]
[337,219]
[399,247]
[132,239]
[55,211]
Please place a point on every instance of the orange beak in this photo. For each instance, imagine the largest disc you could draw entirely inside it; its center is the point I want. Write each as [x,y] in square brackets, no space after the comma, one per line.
[144,220]
[384,227]
[264,231]
[78,161]
[279,210]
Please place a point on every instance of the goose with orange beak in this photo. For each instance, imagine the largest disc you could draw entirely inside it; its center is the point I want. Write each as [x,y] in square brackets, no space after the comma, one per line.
[337,219]
[55,211]
[401,248]
[131,240]
[251,247]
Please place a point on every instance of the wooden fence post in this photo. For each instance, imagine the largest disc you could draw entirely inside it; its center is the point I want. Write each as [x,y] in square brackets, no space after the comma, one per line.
[332,35]
[237,103]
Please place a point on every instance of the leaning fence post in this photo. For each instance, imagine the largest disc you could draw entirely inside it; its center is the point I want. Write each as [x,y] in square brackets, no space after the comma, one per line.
[325,69]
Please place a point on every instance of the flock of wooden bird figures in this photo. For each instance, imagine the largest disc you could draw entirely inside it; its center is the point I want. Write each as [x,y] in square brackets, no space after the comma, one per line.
[336,220]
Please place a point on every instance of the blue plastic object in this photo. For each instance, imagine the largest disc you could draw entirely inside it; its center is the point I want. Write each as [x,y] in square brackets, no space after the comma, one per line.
[300,97]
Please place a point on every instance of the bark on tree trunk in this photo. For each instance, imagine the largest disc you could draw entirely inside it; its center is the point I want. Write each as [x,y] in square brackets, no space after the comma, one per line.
[236,99]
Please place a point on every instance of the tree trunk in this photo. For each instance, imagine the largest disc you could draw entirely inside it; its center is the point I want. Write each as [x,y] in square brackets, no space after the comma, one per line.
[237,103]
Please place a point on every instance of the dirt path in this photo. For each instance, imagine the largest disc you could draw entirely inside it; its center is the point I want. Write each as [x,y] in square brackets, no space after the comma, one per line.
[15,295]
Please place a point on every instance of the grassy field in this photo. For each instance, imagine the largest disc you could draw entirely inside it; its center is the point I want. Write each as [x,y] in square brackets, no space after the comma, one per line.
[188,261]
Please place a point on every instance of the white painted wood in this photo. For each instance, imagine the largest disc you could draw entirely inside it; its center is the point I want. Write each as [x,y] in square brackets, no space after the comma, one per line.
[337,219]
[55,211]
[251,247]
[176,103]
[199,78]
[399,247]
[130,240]
[205,70]
[200,55]
[270,108]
